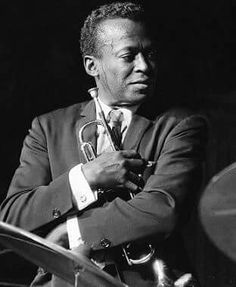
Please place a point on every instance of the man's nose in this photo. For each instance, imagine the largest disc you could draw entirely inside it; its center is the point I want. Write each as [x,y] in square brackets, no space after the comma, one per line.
[141,64]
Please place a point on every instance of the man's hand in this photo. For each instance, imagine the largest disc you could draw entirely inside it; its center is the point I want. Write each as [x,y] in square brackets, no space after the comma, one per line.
[59,236]
[82,249]
[114,170]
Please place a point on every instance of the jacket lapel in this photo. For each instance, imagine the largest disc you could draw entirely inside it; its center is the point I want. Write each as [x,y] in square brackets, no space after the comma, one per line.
[138,126]
[89,134]
[135,132]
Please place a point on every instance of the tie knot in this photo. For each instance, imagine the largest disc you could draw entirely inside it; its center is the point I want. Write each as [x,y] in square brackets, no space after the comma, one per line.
[115,116]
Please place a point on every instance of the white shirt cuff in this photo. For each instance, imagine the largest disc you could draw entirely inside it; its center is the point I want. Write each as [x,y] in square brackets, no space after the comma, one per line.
[73,232]
[83,194]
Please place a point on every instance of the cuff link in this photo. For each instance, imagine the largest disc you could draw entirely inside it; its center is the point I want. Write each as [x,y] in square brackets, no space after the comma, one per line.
[105,243]
[83,198]
[56,213]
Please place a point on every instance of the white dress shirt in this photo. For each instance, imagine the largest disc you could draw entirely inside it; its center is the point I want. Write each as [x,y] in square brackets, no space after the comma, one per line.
[82,193]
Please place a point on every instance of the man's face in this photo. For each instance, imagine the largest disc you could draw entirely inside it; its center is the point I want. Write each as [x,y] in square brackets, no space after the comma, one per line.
[127,66]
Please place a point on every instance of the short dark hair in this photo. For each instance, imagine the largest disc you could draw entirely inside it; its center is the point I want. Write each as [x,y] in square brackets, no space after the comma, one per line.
[89,31]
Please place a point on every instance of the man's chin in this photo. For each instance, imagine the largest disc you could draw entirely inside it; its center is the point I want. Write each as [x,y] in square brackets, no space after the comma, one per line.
[134,98]
[139,97]
[131,102]
[140,91]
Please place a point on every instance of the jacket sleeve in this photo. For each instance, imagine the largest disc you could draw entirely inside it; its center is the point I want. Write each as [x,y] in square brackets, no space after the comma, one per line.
[34,198]
[155,210]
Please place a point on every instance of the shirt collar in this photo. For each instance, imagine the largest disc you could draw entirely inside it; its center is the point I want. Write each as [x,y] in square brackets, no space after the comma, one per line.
[127,111]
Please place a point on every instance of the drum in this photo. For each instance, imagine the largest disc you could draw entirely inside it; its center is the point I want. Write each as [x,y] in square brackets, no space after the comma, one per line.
[217,209]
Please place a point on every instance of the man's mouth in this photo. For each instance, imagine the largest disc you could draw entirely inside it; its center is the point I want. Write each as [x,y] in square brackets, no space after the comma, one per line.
[144,82]
[141,84]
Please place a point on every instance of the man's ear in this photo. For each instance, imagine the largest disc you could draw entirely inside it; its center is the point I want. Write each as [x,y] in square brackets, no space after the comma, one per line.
[91,65]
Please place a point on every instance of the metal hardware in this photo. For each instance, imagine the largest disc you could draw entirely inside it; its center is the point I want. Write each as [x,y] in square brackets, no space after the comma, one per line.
[133,254]
[90,154]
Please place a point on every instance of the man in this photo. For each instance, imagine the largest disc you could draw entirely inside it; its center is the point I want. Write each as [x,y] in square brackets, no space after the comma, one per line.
[55,190]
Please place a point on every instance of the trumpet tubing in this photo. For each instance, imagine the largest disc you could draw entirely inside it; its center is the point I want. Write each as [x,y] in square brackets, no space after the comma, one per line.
[133,254]
[90,154]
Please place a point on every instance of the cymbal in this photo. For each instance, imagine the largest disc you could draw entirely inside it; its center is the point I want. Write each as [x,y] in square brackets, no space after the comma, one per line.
[54,258]
[217,209]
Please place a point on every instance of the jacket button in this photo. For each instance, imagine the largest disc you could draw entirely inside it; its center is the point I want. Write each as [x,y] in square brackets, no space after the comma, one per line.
[56,213]
[105,243]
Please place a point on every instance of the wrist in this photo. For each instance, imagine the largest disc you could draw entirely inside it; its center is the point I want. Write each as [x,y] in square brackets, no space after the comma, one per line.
[82,249]
[90,176]
[82,193]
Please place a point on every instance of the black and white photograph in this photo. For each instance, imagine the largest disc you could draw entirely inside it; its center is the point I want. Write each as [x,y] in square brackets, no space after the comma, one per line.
[118,143]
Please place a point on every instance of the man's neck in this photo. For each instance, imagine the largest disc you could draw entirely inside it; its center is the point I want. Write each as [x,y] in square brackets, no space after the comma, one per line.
[106,107]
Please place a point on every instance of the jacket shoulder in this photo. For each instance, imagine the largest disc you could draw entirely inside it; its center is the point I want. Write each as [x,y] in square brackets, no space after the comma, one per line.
[177,120]
[179,114]
[64,112]
[59,119]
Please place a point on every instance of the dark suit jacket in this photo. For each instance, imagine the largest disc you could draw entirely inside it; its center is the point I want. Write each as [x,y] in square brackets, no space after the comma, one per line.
[39,195]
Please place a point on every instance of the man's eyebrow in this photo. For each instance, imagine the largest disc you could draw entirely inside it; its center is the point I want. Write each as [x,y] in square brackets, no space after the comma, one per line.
[136,49]
[128,48]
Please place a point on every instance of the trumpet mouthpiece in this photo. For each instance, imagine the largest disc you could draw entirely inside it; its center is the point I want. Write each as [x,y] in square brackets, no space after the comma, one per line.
[93,92]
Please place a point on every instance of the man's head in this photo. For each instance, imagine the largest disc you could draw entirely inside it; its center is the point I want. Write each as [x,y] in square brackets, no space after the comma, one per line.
[119,53]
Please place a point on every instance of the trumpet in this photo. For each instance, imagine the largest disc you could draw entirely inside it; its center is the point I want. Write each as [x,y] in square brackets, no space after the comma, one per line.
[89,153]
[88,149]
[133,253]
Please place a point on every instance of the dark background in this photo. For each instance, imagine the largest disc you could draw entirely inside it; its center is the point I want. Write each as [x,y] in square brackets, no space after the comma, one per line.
[41,70]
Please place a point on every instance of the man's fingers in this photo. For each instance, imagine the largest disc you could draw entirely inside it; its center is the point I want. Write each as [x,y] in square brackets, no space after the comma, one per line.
[130,154]
[184,280]
[59,236]
[114,169]
[136,165]
[82,249]
[136,179]
[132,187]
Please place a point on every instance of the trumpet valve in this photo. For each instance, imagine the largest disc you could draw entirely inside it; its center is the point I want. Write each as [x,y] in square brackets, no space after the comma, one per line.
[88,151]
[93,92]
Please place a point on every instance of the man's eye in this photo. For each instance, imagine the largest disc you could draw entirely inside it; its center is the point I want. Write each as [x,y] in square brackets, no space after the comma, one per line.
[128,57]
[152,55]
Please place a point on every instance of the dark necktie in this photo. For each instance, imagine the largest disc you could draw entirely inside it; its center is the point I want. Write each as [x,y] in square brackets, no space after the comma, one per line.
[115,118]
